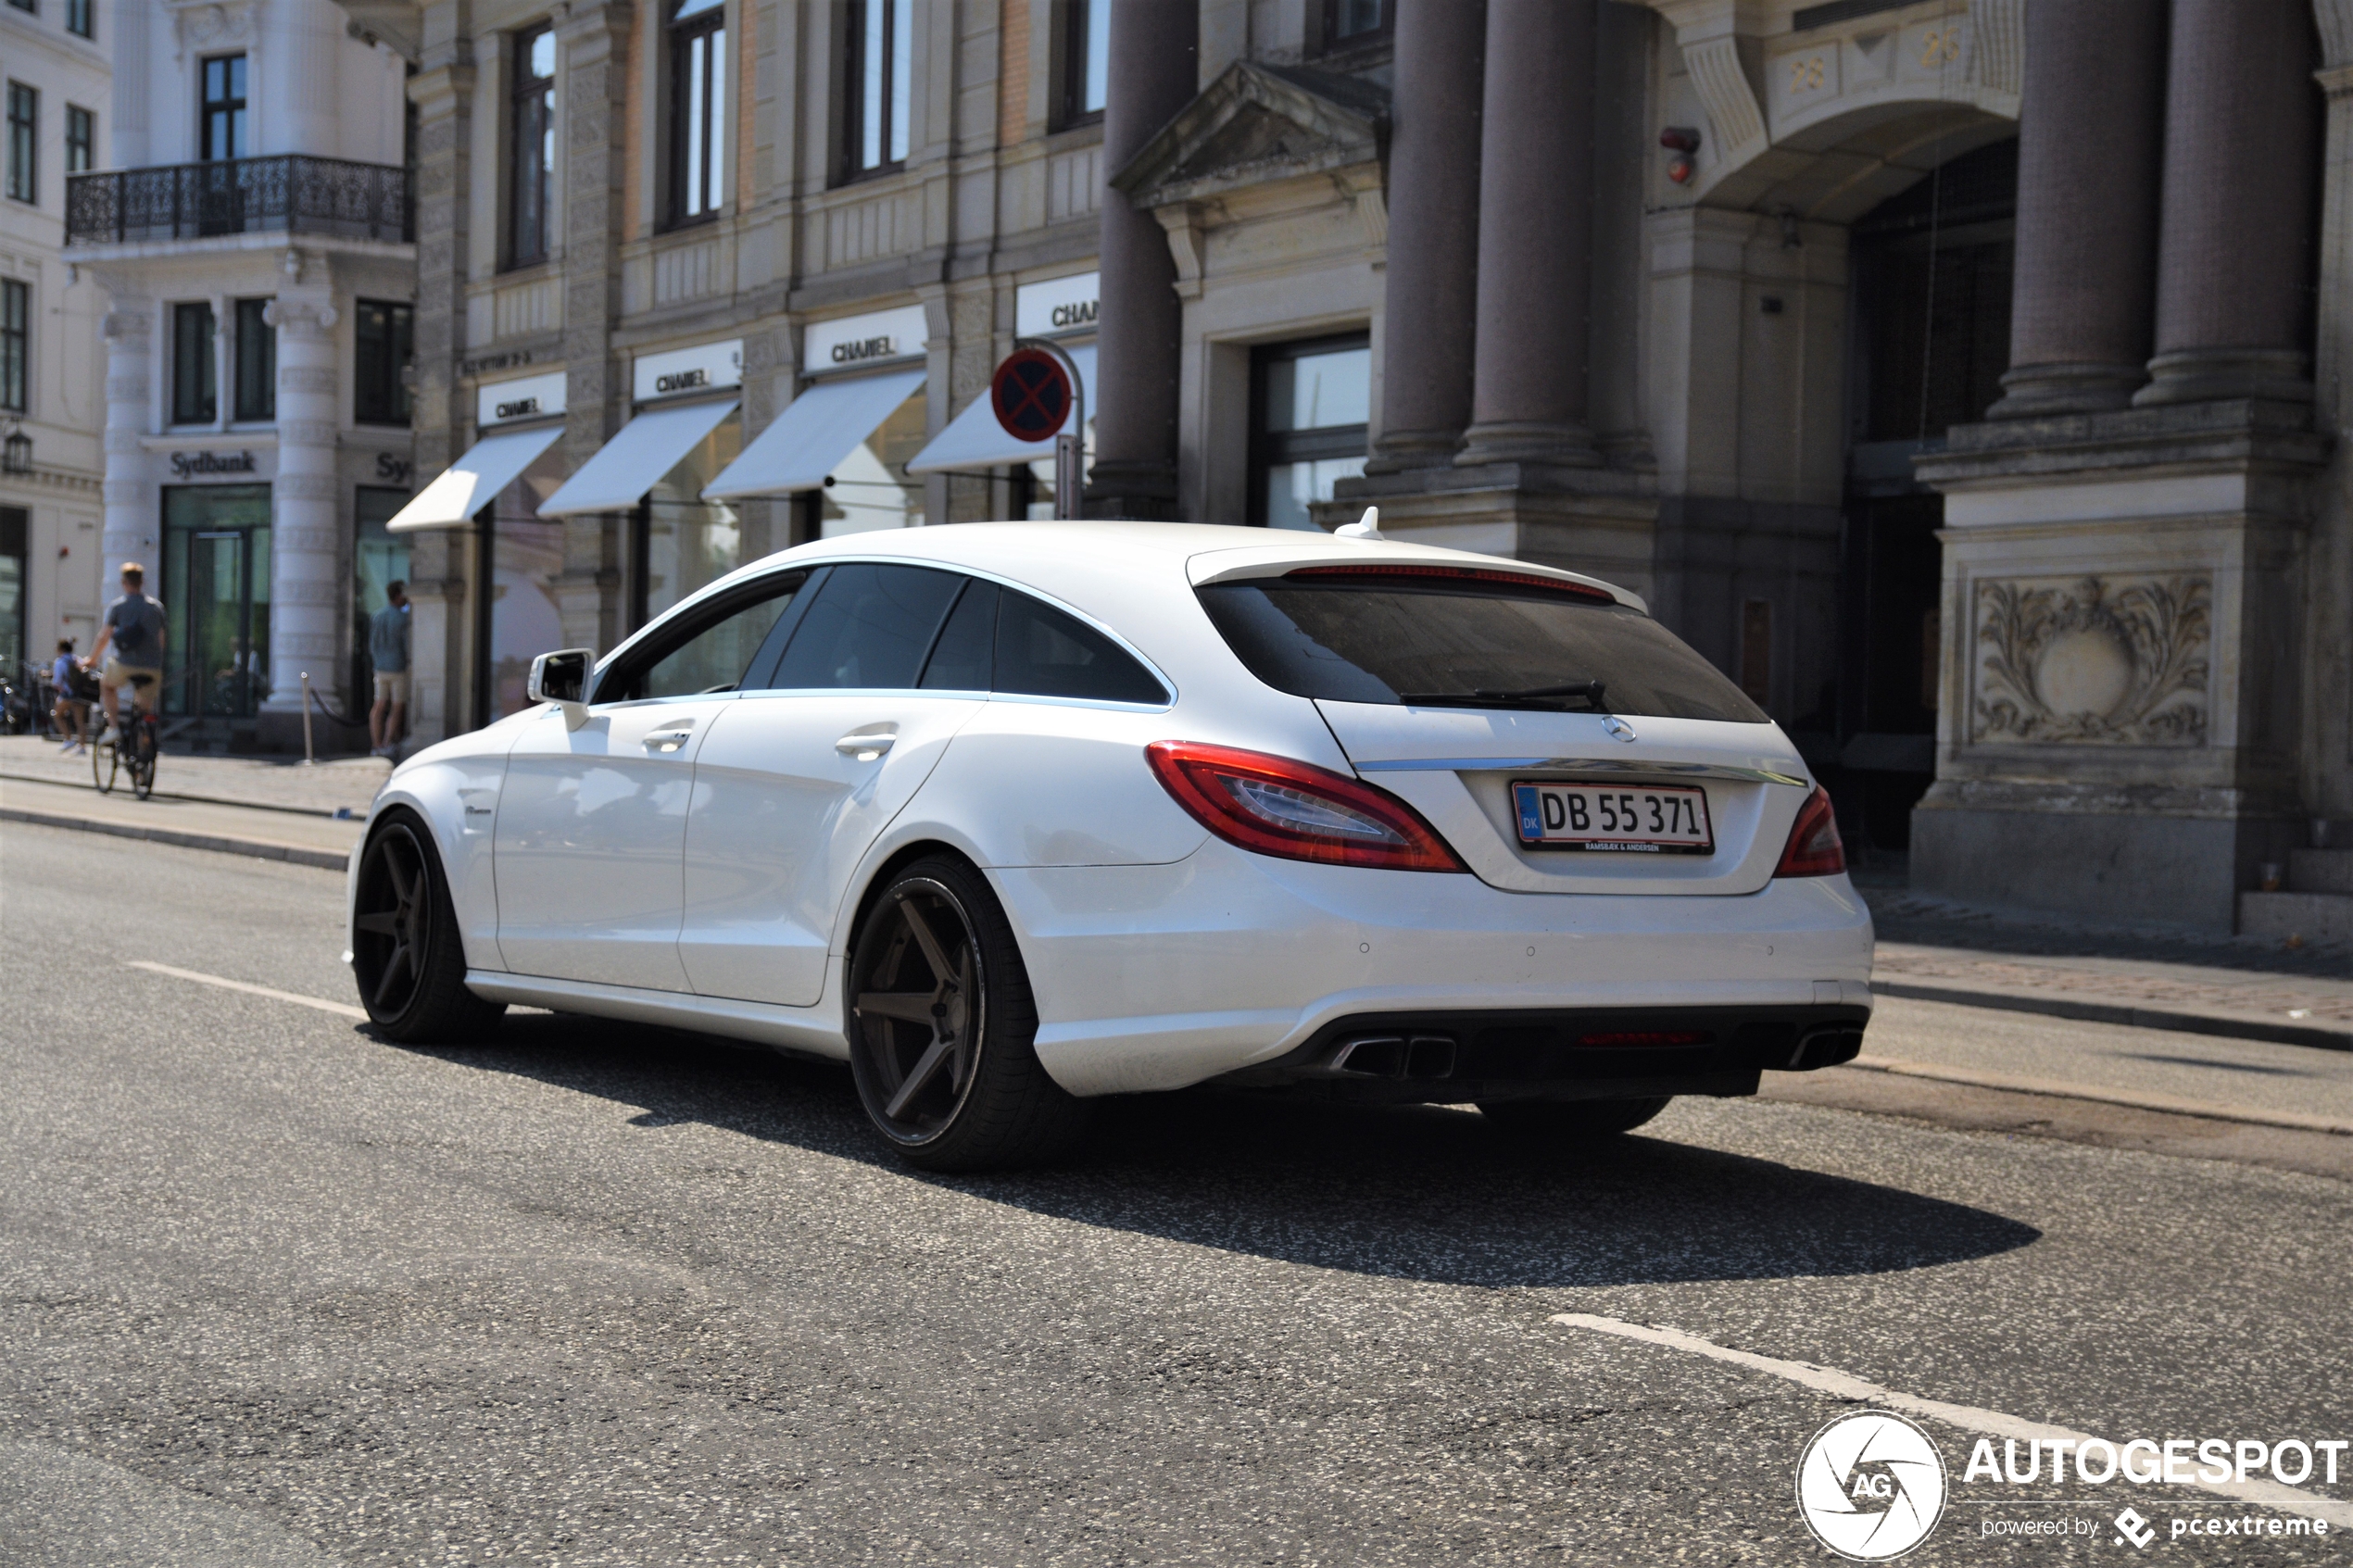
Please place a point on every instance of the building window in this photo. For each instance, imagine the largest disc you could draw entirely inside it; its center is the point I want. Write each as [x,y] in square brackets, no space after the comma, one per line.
[220,133]
[194,401]
[81,140]
[881,84]
[697,109]
[1086,62]
[257,362]
[382,333]
[531,129]
[1347,22]
[1311,404]
[16,346]
[29,6]
[79,20]
[24,143]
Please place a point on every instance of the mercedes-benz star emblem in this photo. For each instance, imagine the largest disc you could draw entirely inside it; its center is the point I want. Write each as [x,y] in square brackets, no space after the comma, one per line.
[1618,728]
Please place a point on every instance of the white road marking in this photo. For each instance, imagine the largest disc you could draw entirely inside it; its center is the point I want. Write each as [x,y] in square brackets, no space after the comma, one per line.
[2179,1105]
[341,1010]
[1969,1418]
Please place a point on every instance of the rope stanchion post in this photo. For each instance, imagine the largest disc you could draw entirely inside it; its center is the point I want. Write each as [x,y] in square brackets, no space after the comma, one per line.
[309,756]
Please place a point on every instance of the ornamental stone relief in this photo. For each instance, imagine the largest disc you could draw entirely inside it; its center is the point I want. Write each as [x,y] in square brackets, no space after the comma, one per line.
[2093,661]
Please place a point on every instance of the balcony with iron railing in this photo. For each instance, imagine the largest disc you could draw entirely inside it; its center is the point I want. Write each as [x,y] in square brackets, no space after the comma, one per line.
[291,194]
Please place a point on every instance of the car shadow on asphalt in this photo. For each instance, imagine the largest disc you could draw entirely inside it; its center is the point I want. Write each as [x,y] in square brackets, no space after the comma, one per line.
[1423,1192]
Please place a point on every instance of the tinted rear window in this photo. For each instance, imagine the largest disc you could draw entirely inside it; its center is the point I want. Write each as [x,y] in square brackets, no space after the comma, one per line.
[1365,641]
[870,626]
[1042,652]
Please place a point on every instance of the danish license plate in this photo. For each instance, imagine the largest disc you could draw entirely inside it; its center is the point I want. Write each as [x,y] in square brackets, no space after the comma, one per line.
[1626,818]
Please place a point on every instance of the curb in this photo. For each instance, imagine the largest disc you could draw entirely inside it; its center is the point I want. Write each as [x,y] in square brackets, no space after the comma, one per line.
[177,795]
[2317,1036]
[2169,1105]
[257,848]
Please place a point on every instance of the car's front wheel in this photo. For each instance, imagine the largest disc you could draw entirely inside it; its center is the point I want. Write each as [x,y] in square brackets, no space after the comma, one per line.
[1572,1118]
[405,949]
[942,1028]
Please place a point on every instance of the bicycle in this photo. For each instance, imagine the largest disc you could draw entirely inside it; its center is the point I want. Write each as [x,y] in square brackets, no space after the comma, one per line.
[129,743]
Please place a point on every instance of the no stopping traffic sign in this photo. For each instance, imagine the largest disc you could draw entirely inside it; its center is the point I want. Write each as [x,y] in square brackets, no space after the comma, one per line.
[1030,394]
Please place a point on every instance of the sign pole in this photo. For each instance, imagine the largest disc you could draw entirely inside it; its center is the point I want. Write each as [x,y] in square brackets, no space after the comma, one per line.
[1070,467]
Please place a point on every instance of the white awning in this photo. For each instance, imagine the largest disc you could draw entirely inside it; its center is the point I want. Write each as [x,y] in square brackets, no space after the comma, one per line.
[632,463]
[473,481]
[975,440]
[816,431]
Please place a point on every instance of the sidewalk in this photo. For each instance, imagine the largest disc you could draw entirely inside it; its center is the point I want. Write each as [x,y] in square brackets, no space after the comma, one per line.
[268,783]
[303,838]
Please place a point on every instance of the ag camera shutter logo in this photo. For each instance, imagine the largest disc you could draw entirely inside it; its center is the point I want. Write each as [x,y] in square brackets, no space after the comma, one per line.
[1870,1486]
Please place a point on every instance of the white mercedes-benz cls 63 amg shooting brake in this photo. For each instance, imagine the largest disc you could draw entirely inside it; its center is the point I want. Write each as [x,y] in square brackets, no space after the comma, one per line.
[1010,816]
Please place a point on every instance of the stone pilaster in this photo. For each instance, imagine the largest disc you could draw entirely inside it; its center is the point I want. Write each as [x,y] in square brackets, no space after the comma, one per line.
[2242,139]
[2091,135]
[132,526]
[1154,74]
[595,38]
[1535,237]
[1433,234]
[443,91]
[306,586]
[2327,574]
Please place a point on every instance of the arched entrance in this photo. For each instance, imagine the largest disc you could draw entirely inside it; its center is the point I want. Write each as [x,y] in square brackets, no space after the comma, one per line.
[1928,341]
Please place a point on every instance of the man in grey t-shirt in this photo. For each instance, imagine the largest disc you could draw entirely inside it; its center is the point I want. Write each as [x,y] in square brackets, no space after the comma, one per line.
[388,652]
[131,643]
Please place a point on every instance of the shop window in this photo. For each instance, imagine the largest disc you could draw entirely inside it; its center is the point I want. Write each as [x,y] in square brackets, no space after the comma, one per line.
[531,145]
[1086,57]
[697,110]
[216,600]
[871,488]
[24,143]
[221,133]
[1311,404]
[880,85]
[16,525]
[16,346]
[81,140]
[80,20]
[683,543]
[255,375]
[194,398]
[522,558]
[1346,23]
[379,558]
[383,333]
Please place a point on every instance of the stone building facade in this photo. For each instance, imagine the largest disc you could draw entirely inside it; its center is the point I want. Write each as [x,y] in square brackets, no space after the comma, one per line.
[59,112]
[249,235]
[1958,374]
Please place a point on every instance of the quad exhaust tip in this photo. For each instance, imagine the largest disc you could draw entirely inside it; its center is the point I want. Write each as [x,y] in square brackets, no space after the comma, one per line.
[1395,1056]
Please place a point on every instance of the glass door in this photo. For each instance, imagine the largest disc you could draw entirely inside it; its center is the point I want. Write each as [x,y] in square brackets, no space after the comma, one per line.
[216,579]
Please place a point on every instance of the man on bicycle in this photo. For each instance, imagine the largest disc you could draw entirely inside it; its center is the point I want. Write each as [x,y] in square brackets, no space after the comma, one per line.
[130,642]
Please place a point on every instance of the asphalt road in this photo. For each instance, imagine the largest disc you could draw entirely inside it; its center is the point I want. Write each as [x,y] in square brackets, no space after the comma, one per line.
[275,1292]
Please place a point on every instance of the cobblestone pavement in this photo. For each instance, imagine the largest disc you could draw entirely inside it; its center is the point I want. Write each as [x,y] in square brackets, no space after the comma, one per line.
[270,783]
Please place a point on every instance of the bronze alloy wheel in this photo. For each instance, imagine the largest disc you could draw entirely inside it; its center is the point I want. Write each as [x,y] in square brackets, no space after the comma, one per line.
[921,1000]
[406,953]
[942,1028]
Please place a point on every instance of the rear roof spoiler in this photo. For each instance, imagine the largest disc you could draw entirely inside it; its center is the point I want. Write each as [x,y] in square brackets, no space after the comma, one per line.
[1276,560]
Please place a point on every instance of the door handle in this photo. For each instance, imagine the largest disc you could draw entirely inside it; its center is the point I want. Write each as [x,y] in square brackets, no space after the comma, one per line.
[865,745]
[667,741]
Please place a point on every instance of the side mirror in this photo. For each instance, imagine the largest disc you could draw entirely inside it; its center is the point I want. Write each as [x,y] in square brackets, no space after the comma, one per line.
[562,678]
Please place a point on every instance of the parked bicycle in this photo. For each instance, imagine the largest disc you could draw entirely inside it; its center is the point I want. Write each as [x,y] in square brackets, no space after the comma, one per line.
[130,745]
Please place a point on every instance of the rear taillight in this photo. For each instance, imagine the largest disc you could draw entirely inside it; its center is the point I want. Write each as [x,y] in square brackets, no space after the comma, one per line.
[1276,806]
[1814,847]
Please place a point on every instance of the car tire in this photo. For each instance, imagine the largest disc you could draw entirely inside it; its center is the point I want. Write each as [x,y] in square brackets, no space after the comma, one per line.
[406,953]
[1572,1118]
[943,1027]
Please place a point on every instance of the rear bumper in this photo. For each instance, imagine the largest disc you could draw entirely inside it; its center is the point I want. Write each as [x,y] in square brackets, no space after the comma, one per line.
[1157,977]
[1454,1058]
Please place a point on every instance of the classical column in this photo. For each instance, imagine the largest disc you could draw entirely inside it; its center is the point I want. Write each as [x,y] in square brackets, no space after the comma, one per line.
[2091,127]
[307,36]
[131,525]
[1535,237]
[2236,256]
[1433,234]
[306,589]
[443,91]
[1153,75]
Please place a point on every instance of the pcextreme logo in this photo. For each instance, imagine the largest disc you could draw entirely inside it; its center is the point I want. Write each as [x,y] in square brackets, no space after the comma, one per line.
[1870,1486]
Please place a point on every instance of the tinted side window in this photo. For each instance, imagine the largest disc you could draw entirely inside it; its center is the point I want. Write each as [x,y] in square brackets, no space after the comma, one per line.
[1042,652]
[868,626]
[704,655]
[961,661]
